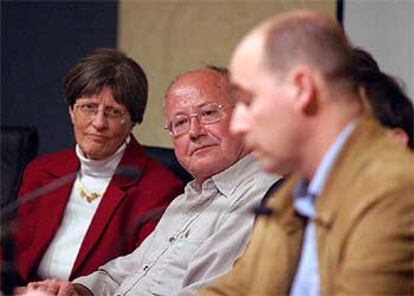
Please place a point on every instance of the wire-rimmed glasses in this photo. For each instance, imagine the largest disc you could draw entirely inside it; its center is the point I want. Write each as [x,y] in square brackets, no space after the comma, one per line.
[90,110]
[205,114]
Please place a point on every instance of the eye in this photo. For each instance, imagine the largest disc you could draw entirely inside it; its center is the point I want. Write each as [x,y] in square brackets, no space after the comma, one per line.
[89,107]
[180,122]
[115,112]
[210,112]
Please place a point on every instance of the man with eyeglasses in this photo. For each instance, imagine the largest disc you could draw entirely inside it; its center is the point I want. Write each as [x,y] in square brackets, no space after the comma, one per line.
[204,230]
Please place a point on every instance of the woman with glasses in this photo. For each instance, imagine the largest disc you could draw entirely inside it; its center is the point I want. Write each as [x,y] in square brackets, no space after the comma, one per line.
[102,195]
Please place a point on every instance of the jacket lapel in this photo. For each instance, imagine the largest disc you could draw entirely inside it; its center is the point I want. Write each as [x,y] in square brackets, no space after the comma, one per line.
[127,174]
[292,226]
[334,198]
[51,205]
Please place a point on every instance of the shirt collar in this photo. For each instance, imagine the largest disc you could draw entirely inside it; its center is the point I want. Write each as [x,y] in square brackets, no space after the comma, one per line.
[101,168]
[304,192]
[228,180]
[225,181]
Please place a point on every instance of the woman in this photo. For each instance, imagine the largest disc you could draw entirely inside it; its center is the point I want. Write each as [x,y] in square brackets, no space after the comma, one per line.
[107,188]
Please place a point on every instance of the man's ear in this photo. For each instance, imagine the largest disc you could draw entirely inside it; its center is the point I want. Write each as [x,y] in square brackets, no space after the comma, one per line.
[401,135]
[304,90]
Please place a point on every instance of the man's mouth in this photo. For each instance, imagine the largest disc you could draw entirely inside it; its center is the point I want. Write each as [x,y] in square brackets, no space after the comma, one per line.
[194,151]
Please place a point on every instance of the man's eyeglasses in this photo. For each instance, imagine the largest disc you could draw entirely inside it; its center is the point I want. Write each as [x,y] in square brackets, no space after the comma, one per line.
[90,110]
[205,114]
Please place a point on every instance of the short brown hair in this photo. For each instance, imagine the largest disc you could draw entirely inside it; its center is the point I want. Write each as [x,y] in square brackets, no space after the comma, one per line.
[311,38]
[111,68]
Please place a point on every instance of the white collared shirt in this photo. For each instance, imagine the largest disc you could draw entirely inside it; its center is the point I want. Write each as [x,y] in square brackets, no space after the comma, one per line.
[198,238]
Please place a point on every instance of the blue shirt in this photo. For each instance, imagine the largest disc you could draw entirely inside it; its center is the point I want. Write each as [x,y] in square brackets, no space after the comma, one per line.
[306,280]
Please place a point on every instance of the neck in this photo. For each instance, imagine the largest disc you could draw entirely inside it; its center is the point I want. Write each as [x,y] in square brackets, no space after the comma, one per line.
[323,134]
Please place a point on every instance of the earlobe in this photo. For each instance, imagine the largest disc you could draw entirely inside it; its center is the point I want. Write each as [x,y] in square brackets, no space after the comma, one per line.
[132,126]
[401,135]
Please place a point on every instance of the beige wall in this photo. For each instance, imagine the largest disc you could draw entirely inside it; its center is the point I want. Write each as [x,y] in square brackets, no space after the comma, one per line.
[169,37]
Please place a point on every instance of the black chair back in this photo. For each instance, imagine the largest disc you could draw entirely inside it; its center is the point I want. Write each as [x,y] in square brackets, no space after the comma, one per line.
[167,157]
[18,146]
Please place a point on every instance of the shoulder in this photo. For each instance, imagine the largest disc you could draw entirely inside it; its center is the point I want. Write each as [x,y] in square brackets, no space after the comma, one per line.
[53,159]
[385,167]
[252,188]
[372,162]
[160,177]
[372,179]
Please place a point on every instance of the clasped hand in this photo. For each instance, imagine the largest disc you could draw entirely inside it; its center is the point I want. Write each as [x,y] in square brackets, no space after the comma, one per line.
[48,288]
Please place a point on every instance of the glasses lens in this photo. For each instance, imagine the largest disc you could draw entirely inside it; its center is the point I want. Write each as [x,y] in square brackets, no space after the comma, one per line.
[179,124]
[88,109]
[210,113]
[114,113]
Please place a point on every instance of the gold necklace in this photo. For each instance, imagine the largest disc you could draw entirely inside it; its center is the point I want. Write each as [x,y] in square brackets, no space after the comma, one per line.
[89,197]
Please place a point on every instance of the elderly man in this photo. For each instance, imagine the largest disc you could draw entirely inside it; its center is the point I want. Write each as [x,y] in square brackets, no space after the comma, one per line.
[203,230]
[343,222]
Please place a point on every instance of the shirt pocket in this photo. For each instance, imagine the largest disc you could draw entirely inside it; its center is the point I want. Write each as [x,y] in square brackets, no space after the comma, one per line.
[169,281]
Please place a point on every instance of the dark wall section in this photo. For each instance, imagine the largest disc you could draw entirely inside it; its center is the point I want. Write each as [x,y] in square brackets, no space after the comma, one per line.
[340,11]
[40,41]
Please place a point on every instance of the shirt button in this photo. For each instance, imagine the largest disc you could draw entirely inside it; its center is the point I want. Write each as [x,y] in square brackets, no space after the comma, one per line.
[171,239]
[145,268]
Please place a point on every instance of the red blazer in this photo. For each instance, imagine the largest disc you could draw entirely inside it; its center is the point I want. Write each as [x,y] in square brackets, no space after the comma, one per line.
[122,221]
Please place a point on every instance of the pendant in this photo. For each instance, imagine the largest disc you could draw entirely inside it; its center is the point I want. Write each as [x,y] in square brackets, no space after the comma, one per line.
[89,197]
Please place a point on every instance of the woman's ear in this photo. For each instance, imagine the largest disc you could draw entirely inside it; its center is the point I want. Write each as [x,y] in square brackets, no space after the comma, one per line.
[72,116]
[131,126]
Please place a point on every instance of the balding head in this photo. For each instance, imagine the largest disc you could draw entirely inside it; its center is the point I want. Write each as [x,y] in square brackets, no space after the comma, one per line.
[198,107]
[211,79]
[301,38]
[299,71]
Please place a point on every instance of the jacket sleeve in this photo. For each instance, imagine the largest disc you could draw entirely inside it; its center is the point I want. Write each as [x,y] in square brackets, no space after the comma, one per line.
[379,255]
[23,227]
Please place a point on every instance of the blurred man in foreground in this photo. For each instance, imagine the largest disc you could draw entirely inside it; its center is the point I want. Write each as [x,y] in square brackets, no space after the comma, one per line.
[343,223]
[205,229]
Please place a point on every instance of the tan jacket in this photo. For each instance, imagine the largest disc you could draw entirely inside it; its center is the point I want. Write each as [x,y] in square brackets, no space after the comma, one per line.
[364,225]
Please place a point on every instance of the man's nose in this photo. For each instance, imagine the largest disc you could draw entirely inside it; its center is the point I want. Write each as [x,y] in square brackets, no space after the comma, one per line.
[240,121]
[196,127]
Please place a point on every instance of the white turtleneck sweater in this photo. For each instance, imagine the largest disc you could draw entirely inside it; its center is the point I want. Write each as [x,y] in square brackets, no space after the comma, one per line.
[94,175]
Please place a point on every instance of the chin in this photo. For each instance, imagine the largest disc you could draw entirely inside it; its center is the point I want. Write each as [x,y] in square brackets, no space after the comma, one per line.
[267,164]
[209,167]
[95,155]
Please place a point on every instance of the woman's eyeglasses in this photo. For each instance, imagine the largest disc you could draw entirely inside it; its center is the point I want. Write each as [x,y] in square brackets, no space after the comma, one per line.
[90,110]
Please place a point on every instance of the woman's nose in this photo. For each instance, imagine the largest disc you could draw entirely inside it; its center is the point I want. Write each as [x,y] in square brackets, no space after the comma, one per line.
[100,120]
